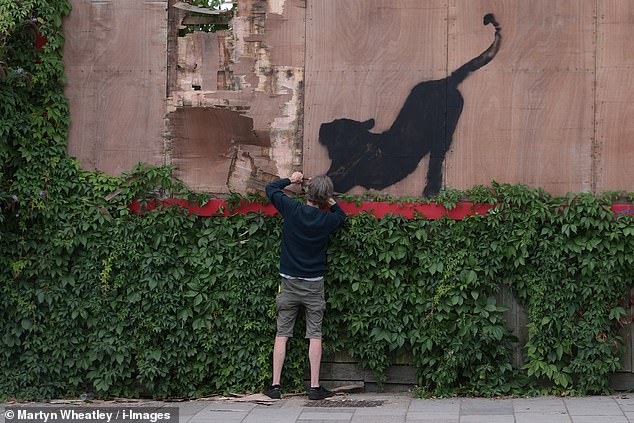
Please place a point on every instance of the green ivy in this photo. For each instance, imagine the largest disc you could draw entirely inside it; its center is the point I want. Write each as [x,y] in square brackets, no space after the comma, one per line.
[94,298]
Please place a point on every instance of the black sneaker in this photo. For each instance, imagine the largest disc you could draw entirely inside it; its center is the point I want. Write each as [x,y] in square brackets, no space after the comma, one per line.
[273,391]
[319,393]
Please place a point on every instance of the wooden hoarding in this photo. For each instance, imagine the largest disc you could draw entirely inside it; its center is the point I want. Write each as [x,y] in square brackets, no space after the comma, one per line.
[614,101]
[115,59]
[550,109]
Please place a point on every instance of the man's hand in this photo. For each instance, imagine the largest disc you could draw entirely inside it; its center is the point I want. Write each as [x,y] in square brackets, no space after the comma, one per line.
[296,178]
[331,202]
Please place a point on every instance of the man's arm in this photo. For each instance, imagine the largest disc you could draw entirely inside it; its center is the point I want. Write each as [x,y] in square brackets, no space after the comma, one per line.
[275,193]
[337,211]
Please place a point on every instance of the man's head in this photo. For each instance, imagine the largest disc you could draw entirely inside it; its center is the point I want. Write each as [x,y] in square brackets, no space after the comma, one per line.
[319,190]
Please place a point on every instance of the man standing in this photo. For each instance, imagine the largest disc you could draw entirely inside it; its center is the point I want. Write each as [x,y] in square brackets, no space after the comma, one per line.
[302,267]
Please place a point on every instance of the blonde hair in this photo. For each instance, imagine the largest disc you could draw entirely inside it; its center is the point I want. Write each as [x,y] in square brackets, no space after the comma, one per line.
[319,190]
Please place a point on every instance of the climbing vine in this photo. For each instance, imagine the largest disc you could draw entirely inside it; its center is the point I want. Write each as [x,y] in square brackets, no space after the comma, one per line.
[95,298]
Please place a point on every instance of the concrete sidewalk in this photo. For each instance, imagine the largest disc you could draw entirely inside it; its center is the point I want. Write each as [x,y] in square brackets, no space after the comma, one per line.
[397,408]
[405,409]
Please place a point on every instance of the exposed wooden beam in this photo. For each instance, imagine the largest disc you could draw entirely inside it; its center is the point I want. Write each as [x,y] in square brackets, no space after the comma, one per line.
[196,9]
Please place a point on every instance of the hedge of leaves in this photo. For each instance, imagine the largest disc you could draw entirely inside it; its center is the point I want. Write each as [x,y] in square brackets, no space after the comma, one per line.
[96,299]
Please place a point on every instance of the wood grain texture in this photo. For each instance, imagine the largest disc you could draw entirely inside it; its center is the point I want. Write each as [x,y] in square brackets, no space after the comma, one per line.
[362,60]
[198,61]
[115,58]
[551,110]
[528,115]
[205,141]
[285,33]
[615,96]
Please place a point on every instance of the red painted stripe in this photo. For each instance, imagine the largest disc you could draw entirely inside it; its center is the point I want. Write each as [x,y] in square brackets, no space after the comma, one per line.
[623,209]
[376,208]
[411,210]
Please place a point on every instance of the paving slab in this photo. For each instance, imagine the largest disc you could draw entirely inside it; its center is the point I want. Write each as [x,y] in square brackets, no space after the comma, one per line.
[326,415]
[381,411]
[488,407]
[599,419]
[396,408]
[626,404]
[542,418]
[593,406]
[190,409]
[492,418]
[431,417]
[216,416]
[358,418]
[273,415]
[540,405]
[433,405]
[324,421]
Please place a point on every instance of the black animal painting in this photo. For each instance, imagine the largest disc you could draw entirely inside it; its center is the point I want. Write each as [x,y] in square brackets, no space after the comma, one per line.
[425,125]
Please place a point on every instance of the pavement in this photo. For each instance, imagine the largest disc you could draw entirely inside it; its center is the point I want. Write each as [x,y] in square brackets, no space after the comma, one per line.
[391,408]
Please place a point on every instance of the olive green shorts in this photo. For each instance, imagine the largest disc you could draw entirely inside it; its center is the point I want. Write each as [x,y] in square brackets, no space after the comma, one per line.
[293,294]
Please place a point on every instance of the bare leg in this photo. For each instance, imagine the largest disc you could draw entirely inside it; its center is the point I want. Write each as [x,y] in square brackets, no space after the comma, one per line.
[314,356]
[279,354]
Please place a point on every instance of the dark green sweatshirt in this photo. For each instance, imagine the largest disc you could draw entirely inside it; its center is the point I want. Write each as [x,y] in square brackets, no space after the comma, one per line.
[305,232]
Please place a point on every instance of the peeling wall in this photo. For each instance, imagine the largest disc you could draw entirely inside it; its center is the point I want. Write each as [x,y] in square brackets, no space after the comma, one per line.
[249,74]
[212,142]
[237,108]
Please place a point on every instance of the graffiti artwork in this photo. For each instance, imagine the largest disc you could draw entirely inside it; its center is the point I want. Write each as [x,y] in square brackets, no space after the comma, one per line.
[425,125]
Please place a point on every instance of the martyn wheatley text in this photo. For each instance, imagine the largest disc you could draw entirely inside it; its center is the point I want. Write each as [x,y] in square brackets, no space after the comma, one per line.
[84,415]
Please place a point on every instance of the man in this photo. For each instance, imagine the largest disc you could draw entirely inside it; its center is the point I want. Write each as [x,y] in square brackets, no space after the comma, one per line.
[302,267]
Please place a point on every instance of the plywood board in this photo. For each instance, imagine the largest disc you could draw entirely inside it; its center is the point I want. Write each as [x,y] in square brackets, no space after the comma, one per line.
[551,110]
[615,96]
[205,142]
[198,61]
[254,71]
[285,33]
[362,60]
[528,114]
[115,58]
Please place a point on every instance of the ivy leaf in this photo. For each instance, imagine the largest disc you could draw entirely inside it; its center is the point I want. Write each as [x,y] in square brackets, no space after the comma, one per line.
[616,313]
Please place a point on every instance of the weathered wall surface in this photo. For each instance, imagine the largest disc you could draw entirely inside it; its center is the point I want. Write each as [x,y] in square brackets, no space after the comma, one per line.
[234,109]
[115,62]
[528,115]
[249,81]
[614,96]
[363,58]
